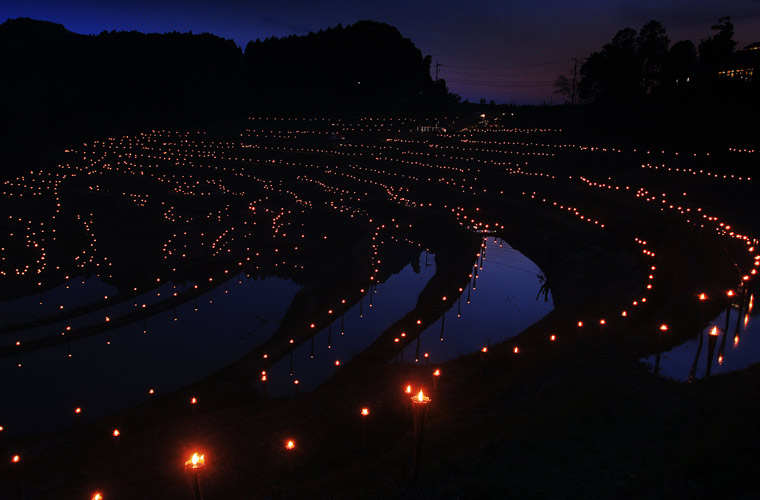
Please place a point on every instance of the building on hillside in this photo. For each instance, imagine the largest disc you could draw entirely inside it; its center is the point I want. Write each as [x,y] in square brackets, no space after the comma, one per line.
[744,64]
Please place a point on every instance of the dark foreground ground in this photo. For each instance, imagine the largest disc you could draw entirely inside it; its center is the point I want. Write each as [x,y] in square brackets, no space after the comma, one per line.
[576,418]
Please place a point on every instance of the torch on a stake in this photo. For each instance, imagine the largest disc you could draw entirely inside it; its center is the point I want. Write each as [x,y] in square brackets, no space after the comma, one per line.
[290,446]
[16,460]
[194,469]
[364,414]
[420,404]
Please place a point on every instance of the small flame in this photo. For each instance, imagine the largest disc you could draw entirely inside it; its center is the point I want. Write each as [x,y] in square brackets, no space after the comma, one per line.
[97,496]
[714,331]
[553,338]
[16,459]
[702,296]
[408,389]
[193,401]
[365,412]
[197,460]
[437,373]
[663,328]
[116,433]
[290,444]
[420,396]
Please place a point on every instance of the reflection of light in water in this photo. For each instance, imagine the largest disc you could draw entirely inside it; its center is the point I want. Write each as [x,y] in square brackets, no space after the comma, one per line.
[208,340]
[73,293]
[745,348]
[396,297]
[503,306]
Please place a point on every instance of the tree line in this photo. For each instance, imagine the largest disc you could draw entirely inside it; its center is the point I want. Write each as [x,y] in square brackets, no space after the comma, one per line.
[642,67]
[55,81]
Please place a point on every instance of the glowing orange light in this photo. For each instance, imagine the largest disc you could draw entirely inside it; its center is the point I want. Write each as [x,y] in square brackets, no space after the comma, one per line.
[730,293]
[663,328]
[437,373]
[714,331]
[408,389]
[580,324]
[77,410]
[16,459]
[193,401]
[196,461]
[290,444]
[485,349]
[702,296]
[116,433]
[553,338]
[516,350]
[97,496]
[365,412]
[420,397]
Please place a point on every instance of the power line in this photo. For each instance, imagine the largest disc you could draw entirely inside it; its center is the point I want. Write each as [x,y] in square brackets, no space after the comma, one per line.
[544,83]
[507,67]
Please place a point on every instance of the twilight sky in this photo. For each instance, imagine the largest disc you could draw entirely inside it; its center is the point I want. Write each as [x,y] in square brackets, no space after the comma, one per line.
[506,50]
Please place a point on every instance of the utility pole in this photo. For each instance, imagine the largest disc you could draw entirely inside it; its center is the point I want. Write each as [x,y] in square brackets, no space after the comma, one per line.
[575,72]
[437,66]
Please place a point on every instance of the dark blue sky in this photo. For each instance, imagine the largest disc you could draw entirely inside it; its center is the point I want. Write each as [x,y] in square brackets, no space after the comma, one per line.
[487,43]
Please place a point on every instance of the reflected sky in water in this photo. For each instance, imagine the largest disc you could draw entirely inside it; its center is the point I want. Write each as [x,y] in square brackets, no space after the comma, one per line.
[104,378]
[313,362]
[502,304]
[735,348]
[73,293]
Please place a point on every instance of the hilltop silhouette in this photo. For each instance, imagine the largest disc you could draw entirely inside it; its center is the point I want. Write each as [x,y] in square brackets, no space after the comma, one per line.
[58,83]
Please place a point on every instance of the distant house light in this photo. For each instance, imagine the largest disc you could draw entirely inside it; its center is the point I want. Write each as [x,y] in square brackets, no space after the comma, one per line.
[738,74]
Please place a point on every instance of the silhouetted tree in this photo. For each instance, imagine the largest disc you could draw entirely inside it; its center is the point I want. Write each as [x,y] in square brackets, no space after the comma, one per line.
[564,86]
[681,63]
[613,75]
[717,49]
[652,48]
